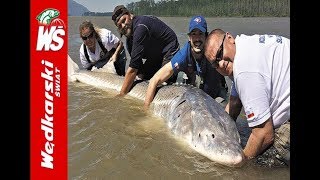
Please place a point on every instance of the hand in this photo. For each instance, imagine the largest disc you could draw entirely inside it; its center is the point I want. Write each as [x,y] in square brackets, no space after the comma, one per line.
[120,95]
[139,77]
[110,62]
[146,107]
[94,68]
[245,160]
[113,58]
[109,68]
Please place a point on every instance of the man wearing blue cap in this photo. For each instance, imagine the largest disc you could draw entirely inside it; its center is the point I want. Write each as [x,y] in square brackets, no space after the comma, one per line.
[191,60]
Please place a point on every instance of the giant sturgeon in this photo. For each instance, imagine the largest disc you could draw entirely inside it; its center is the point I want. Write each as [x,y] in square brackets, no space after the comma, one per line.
[189,112]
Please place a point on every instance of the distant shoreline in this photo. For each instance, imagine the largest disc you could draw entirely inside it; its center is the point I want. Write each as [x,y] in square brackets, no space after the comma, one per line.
[207,16]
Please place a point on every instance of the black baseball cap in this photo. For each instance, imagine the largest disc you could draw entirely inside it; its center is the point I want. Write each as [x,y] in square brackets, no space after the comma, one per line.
[118,12]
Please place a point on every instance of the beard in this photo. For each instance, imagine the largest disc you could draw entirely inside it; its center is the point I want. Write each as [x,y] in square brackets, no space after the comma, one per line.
[124,30]
[197,49]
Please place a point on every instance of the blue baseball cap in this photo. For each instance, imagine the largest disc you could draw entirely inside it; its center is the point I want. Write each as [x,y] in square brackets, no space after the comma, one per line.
[198,22]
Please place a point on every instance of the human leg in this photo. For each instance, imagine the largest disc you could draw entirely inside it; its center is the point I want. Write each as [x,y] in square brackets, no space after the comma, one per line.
[120,63]
[282,142]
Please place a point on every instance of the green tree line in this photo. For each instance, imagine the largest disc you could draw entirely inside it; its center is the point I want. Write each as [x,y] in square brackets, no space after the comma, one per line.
[212,8]
[97,14]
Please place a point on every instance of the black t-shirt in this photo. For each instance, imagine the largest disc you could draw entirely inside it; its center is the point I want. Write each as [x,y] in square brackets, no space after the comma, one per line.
[152,40]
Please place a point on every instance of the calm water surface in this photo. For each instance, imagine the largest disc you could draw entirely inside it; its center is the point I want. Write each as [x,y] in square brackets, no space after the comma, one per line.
[113,138]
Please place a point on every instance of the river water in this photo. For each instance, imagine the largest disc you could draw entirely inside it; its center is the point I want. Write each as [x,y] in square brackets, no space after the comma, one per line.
[113,138]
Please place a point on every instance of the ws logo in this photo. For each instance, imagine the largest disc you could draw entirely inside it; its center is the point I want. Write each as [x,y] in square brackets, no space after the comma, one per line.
[51,28]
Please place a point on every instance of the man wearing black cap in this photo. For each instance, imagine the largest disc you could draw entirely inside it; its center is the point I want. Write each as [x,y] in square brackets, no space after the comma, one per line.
[190,59]
[147,37]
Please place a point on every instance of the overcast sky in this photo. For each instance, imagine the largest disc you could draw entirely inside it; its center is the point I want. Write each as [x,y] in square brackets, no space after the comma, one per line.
[104,5]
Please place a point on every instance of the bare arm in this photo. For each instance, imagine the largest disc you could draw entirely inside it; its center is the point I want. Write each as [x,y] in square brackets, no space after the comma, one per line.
[262,136]
[234,107]
[161,76]
[119,48]
[128,81]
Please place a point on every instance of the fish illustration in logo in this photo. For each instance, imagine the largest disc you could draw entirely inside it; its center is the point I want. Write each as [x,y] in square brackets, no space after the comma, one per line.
[46,16]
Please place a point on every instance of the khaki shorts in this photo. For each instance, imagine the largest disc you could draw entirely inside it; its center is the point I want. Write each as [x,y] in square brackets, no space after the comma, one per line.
[282,142]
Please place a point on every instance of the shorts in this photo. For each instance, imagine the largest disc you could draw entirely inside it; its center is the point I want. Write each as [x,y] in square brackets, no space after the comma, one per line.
[120,63]
[282,142]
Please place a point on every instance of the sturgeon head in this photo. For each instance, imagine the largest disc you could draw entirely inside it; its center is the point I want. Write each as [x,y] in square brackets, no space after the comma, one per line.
[196,117]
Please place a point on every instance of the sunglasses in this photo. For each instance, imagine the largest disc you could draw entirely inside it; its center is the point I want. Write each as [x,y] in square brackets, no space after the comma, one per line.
[86,37]
[219,55]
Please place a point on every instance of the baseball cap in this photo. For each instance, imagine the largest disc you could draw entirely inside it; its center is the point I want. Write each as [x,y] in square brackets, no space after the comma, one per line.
[198,22]
[118,12]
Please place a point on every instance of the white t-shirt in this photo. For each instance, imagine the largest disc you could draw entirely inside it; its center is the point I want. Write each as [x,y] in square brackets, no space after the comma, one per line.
[109,41]
[261,73]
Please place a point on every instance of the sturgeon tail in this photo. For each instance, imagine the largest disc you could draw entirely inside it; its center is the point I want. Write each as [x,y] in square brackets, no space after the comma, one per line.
[72,68]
